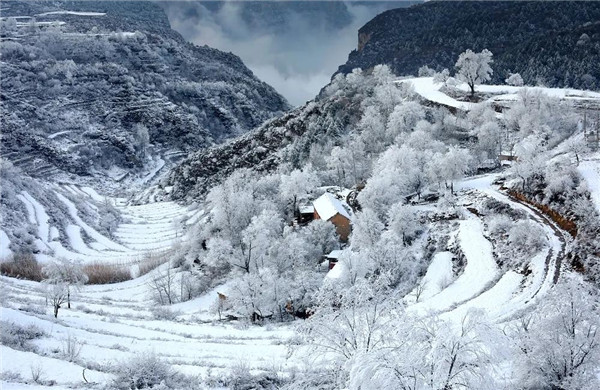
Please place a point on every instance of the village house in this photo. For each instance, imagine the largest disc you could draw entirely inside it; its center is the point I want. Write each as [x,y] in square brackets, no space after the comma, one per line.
[305,214]
[327,207]
[332,258]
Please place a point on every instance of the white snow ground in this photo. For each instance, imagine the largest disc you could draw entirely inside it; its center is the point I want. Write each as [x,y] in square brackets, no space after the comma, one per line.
[590,170]
[481,270]
[429,90]
[114,323]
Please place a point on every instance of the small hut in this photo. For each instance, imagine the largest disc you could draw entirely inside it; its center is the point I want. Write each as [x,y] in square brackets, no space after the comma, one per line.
[329,208]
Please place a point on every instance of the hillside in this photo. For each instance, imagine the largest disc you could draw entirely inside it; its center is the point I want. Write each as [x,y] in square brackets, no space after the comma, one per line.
[556,44]
[107,89]
[445,247]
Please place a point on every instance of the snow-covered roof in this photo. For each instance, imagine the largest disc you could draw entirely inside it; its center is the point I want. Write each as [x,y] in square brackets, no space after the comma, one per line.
[307,209]
[327,206]
[335,254]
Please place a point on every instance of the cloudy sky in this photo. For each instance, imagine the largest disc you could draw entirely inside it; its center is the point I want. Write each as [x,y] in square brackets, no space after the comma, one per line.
[293,46]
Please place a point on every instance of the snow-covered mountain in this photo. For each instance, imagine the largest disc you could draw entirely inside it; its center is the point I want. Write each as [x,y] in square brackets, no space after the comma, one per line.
[107,89]
[555,44]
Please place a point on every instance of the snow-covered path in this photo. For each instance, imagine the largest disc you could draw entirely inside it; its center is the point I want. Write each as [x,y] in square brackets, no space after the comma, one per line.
[430,90]
[481,269]
[481,286]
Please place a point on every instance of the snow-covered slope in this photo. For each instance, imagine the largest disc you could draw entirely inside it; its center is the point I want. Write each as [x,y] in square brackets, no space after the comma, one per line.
[500,94]
[68,221]
[113,324]
[590,170]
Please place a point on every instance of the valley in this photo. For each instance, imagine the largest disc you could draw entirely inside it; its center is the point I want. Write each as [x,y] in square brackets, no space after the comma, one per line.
[169,221]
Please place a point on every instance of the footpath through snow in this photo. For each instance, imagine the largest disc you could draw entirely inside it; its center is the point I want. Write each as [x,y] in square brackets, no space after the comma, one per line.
[481,270]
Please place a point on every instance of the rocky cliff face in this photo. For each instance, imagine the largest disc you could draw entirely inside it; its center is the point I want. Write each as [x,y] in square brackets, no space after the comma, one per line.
[552,43]
[107,88]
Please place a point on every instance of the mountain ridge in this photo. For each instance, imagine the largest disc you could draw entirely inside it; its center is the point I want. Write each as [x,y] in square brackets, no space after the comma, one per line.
[84,81]
[543,41]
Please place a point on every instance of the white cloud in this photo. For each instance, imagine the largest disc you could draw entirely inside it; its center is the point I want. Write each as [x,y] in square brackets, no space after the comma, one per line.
[297,58]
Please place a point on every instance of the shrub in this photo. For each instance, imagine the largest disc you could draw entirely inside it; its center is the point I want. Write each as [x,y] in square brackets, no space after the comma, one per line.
[151,261]
[31,308]
[22,265]
[146,371]
[18,337]
[163,313]
[71,348]
[240,378]
[527,237]
[99,273]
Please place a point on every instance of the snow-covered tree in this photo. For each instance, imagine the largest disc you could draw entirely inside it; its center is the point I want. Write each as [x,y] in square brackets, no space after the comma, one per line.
[531,162]
[404,118]
[577,145]
[298,183]
[441,77]
[346,325]
[57,293]
[403,222]
[527,237]
[489,139]
[514,79]
[163,285]
[559,344]
[372,126]
[425,71]
[474,68]
[257,238]
[67,272]
[367,228]
[454,164]
[233,204]
[431,354]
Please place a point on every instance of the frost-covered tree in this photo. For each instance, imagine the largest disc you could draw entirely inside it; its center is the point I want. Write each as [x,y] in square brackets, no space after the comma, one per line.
[298,183]
[454,164]
[350,164]
[350,322]
[474,68]
[367,228]
[163,285]
[559,344]
[257,238]
[441,77]
[527,237]
[56,293]
[404,118]
[403,222]
[577,146]
[372,126]
[233,204]
[489,139]
[514,79]
[399,172]
[425,71]
[530,161]
[67,272]
[431,354]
